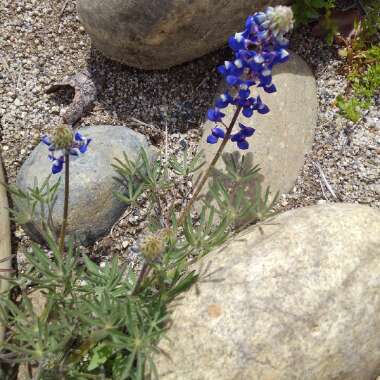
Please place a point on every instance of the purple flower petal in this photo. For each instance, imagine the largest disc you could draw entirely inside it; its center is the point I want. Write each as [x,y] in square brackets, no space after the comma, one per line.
[213,114]
[237,137]
[57,165]
[46,140]
[260,17]
[233,80]
[78,137]
[244,94]
[270,89]
[247,111]
[243,145]
[218,132]
[247,131]
[211,139]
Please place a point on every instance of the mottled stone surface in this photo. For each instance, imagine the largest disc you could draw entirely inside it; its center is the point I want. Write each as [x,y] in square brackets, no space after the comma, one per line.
[285,134]
[93,208]
[158,34]
[293,299]
[5,238]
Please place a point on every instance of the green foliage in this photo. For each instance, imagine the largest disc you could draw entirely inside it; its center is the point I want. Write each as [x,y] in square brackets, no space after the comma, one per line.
[234,189]
[362,53]
[105,322]
[90,325]
[184,167]
[366,84]
[349,108]
[371,24]
[35,204]
[306,11]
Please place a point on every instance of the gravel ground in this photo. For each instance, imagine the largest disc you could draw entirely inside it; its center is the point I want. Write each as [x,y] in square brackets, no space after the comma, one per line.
[41,41]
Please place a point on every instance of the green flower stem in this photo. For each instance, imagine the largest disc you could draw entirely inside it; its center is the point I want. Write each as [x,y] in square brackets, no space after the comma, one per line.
[65,205]
[203,181]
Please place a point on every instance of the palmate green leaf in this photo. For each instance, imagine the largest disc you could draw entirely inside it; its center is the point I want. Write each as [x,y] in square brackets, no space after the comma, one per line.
[184,167]
[123,365]
[209,233]
[113,279]
[126,167]
[36,201]
[99,356]
[189,232]
[91,267]
[238,167]
[182,285]
[139,375]
[149,172]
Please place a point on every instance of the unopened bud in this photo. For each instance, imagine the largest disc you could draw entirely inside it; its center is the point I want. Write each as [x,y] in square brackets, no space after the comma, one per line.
[63,137]
[152,246]
[281,19]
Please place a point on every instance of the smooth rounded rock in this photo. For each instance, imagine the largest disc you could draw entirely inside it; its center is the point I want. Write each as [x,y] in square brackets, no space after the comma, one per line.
[158,34]
[284,135]
[295,298]
[93,208]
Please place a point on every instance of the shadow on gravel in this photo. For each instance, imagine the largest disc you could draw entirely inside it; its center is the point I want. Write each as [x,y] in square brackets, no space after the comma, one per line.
[180,95]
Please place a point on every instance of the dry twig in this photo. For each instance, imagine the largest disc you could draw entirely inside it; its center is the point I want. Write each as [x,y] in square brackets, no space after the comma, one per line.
[324,179]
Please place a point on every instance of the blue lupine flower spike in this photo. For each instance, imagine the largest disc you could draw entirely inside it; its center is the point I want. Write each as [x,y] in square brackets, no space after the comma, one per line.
[259,47]
[64,141]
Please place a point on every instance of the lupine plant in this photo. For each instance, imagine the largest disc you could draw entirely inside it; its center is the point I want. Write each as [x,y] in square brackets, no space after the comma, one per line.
[64,143]
[105,322]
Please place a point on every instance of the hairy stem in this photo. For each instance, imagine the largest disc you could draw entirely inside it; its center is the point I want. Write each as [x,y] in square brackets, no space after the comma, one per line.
[65,205]
[144,271]
[205,176]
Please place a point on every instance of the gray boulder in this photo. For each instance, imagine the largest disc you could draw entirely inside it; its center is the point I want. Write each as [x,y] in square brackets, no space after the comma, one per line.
[296,298]
[93,208]
[284,135]
[158,34]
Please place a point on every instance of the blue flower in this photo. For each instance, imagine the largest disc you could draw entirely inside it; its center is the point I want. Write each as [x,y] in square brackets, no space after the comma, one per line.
[211,139]
[247,111]
[246,131]
[243,144]
[224,100]
[57,164]
[244,91]
[216,134]
[270,88]
[214,114]
[259,47]
[63,142]
[238,41]
[261,107]
[240,140]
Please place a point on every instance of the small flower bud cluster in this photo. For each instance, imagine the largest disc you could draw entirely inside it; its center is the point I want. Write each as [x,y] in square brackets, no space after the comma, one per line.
[64,141]
[152,246]
[256,50]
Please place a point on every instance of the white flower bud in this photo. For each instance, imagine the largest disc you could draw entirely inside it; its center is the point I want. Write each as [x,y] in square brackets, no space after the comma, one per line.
[281,19]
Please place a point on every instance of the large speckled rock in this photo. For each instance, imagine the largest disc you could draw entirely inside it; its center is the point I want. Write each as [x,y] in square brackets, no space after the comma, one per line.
[158,34]
[297,298]
[284,135]
[93,208]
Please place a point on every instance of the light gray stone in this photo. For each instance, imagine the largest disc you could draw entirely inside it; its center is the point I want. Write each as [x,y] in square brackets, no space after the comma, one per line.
[158,34]
[93,208]
[284,135]
[296,298]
